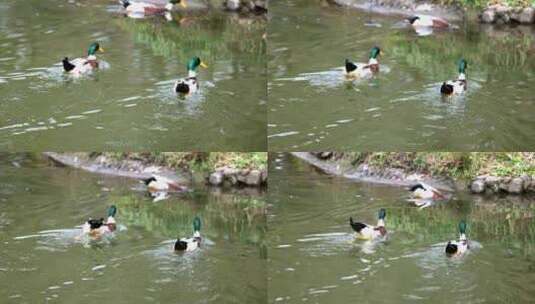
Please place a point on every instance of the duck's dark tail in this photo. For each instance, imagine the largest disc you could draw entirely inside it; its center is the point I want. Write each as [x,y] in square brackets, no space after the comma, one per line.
[418,186]
[451,248]
[95,224]
[181,87]
[350,66]
[125,3]
[67,66]
[356,225]
[181,245]
[446,89]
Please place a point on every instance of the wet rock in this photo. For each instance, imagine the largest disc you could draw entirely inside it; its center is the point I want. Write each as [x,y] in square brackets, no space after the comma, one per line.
[254,178]
[233,5]
[216,178]
[516,185]
[264,177]
[478,186]
[527,16]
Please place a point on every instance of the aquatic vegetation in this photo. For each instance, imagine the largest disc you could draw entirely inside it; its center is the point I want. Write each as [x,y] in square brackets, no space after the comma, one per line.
[242,218]
[199,34]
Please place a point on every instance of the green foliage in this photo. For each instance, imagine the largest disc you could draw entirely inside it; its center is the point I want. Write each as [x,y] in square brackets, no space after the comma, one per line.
[453,164]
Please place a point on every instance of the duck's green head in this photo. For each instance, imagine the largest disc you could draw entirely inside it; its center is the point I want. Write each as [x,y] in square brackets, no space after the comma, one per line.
[376,51]
[194,63]
[462,66]
[196,224]
[462,227]
[94,48]
[382,214]
[112,210]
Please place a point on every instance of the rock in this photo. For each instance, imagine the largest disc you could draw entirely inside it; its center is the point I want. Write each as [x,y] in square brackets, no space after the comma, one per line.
[478,186]
[264,177]
[527,16]
[488,16]
[216,178]
[254,178]
[232,5]
[516,185]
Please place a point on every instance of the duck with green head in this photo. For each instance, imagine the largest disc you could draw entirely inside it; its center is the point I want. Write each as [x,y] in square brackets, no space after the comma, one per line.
[369,232]
[461,246]
[80,66]
[96,228]
[190,84]
[363,70]
[192,243]
[458,86]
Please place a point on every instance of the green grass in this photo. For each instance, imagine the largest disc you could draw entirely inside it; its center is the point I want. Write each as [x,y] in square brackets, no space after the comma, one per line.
[453,164]
[203,161]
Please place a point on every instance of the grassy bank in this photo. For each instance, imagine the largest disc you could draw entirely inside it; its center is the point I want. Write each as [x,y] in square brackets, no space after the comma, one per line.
[451,164]
[203,161]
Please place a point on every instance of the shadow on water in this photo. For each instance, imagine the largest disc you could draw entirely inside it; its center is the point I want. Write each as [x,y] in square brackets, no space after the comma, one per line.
[314,255]
[41,206]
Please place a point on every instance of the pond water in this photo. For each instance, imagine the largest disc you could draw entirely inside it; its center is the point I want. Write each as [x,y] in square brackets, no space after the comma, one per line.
[314,258]
[311,106]
[41,262]
[130,105]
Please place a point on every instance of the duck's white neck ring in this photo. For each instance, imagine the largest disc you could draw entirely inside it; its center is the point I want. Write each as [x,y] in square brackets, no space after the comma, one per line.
[192,73]
[373,61]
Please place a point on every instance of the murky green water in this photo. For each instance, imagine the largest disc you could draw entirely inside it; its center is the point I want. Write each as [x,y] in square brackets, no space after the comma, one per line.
[137,265]
[312,107]
[130,105]
[313,257]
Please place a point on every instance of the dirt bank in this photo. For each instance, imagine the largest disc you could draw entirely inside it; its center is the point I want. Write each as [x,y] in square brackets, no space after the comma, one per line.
[481,173]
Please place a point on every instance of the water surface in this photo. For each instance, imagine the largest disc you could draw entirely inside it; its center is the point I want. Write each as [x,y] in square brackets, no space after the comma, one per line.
[130,105]
[314,258]
[311,106]
[41,261]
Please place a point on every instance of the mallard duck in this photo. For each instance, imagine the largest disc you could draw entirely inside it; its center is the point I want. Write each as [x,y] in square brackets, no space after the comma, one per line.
[425,191]
[458,86]
[161,183]
[150,7]
[95,228]
[428,21]
[363,70]
[80,66]
[368,232]
[190,84]
[459,247]
[192,243]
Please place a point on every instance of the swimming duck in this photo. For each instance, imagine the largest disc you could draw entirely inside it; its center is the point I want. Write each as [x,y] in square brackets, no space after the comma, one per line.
[190,84]
[192,243]
[160,183]
[363,70]
[368,232]
[459,247]
[425,191]
[80,66]
[428,21]
[458,86]
[150,7]
[95,228]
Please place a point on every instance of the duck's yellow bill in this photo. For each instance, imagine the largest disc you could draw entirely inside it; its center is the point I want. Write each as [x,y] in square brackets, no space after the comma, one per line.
[204,65]
[101,49]
[183,4]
